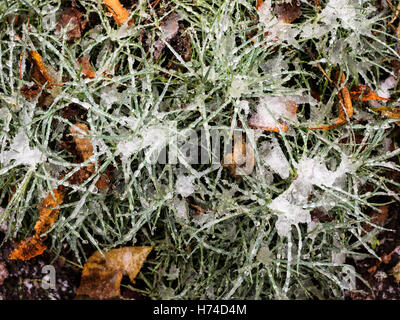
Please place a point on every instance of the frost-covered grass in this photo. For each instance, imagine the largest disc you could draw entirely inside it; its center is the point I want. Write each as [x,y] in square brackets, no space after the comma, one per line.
[248,245]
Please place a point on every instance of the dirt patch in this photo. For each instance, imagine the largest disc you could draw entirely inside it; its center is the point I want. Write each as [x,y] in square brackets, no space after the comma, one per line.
[381,279]
[22,280]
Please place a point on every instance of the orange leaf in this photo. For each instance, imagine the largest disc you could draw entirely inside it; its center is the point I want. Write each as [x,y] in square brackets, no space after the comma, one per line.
[366,93]
[27,249]
[84,148]
[87,68]
[33,246]
[259,4]
[41,74]
[120,14]
[102,274]
[49,215]
[345,107]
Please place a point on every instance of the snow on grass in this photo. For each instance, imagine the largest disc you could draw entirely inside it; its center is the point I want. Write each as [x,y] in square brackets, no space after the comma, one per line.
[255,238]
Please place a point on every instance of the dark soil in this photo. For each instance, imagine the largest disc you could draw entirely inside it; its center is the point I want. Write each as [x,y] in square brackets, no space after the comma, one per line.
[23,279]
[379,275]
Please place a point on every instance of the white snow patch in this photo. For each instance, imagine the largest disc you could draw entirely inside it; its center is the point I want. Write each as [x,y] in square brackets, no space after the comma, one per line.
[270,110]
[184,185]
[21,152]
[181,210]
[275,159]
[289,205]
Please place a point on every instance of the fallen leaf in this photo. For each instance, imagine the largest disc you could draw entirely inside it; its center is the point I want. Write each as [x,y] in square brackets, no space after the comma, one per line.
[73,111]
[87,68]
[170,29]
[259,4]
[392,113]
[84,149]
[241,161]
[27,249]
[120,14]
[288,12]
[102,274]
[290,110]
[366,94]
[345,107]
[83,144]
[48,215]
[72,18]
[40,71]
[31,91]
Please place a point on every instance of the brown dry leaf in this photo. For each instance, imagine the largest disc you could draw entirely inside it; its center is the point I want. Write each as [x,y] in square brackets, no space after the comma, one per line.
[31,91]
[170,29]
[288,12]
[392,113]
[241,161]
[42,75]
[40,71]
[83,144]
[366,93]
[87,68]
[84,149]
[120,14]
[72,18]
[33,246]
[345,107]
[102,275]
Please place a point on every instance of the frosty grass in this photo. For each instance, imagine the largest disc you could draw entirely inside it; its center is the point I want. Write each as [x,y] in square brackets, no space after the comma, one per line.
[256,238]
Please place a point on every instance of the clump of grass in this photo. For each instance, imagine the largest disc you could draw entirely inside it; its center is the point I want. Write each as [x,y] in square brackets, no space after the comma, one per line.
[233,251]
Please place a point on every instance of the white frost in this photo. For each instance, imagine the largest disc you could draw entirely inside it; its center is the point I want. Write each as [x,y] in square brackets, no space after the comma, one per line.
[270,110]
[184,185]
[21,153]
[275,159]
[289,205]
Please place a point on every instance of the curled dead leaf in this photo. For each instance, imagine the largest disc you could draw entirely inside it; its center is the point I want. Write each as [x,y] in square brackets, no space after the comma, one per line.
[72,18]
[345,107]
[84,149]
[366,94]
[241,161]
[27,249]
[392,113]
[48,215]
[102,274]
[41,72]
